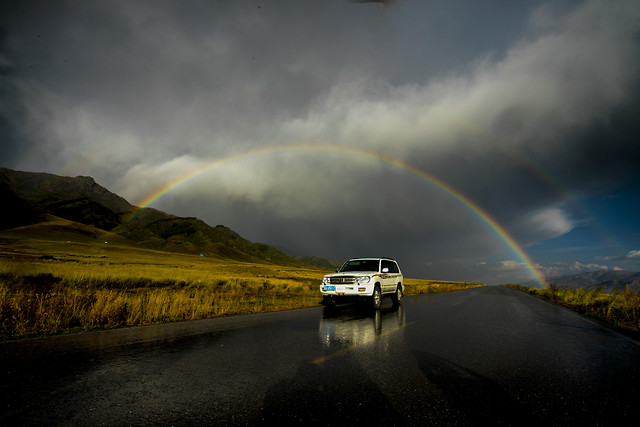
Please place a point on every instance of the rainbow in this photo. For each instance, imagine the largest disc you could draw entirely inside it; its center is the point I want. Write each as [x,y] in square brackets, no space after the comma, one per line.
[477,210]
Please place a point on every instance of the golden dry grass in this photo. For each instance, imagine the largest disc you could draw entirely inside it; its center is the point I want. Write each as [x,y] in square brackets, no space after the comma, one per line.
[417,286]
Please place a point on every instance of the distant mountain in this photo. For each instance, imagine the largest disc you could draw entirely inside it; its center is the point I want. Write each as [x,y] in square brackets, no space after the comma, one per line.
[78,199]
[35,198]
[617,279]
[158,230]
[49,189]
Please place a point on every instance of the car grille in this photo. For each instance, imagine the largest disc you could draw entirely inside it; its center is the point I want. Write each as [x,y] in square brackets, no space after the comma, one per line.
[342,280]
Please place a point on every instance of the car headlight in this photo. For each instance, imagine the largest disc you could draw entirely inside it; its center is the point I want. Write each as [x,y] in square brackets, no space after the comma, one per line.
[363,279]
[325,280]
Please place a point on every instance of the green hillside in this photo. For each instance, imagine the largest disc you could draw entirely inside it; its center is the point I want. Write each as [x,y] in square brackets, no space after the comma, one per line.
[40,197]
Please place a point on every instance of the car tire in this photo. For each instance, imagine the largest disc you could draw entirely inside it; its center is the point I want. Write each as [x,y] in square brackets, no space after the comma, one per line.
[376,298]
[397,296]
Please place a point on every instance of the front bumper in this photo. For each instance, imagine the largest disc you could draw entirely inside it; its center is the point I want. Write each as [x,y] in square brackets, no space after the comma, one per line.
[347,290]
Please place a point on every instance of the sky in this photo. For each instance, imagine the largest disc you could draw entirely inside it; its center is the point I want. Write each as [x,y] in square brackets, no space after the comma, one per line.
[492,142]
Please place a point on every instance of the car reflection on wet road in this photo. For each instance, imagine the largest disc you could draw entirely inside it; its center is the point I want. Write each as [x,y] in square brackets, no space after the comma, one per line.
[344,328]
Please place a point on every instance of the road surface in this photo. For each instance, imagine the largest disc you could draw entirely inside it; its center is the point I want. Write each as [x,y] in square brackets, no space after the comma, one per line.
[490,355]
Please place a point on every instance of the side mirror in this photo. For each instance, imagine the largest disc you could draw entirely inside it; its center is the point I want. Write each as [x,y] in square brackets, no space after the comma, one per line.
[385,270]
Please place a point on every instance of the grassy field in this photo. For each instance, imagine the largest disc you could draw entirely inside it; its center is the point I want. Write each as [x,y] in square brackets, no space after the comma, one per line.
[620,309]
[57,286]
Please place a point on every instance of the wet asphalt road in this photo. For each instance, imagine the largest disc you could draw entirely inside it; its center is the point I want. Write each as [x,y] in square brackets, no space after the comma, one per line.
[491,355]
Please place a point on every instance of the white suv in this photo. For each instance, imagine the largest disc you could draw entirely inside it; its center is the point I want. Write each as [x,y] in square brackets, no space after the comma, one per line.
[364,278]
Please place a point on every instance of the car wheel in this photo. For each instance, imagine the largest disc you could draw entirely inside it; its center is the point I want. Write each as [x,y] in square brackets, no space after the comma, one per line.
[397,297]
[376,298]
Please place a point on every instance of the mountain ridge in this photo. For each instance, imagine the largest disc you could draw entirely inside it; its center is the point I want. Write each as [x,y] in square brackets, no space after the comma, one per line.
[37,197]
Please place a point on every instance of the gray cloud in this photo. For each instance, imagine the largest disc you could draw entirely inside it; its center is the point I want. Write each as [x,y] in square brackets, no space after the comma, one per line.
[515,107]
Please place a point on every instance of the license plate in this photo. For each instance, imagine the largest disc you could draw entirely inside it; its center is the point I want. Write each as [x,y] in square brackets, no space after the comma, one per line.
[329,288]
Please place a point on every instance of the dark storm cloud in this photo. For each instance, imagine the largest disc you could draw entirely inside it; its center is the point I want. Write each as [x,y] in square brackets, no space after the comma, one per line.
[203,77]
[518,107]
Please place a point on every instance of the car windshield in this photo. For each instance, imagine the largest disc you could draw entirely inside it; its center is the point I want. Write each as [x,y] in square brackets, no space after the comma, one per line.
[360,265]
